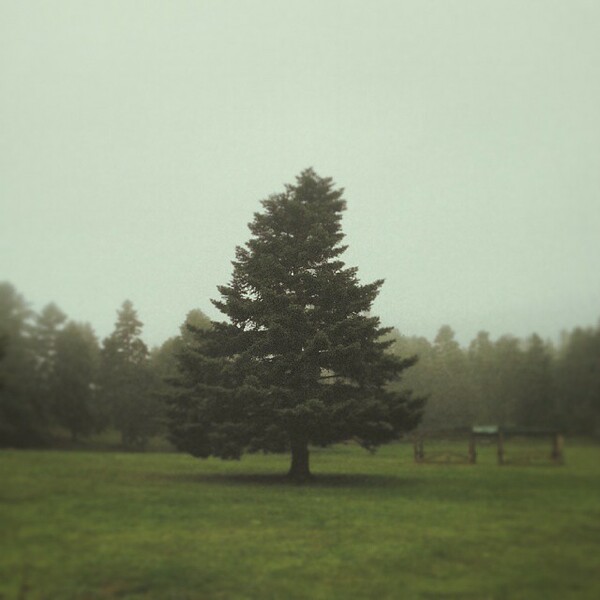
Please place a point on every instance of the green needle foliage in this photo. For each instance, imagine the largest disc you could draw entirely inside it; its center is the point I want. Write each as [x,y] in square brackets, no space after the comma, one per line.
[300,361]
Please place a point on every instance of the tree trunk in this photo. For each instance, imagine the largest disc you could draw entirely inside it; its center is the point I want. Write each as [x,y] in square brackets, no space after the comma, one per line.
[299,469]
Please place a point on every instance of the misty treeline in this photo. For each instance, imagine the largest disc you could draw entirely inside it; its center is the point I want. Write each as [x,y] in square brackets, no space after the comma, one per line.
[57,378]
[530,383]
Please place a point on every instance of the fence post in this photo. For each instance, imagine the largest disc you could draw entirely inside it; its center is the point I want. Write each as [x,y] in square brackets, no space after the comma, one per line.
[418,448]
[500,447]
[472,450]
[557,448]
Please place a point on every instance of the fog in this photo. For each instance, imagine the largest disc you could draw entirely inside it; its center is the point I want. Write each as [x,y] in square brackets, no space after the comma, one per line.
[138,138]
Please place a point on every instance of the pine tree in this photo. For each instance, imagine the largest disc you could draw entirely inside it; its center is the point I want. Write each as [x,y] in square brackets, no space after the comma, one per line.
[536,404]
[22,420]
[300,360]
[48,326]
[451,404]
[126,380]
[76,367]
[578,380]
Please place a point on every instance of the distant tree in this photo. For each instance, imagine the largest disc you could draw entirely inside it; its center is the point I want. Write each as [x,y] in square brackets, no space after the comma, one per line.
[75,378]
[509,368]
[536,398]
[3,346]
[126,381]
[164,359]
[419,378]
[47,327]
[578,380]
[194,320]
[22,422]
[482,369]
[300,360]
[451,402]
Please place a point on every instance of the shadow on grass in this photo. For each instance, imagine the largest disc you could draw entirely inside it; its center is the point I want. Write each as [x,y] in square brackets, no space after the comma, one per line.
[493,487]
[324,480]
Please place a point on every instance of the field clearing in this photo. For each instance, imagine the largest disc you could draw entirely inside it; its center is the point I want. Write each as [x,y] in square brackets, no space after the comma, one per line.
[115,525]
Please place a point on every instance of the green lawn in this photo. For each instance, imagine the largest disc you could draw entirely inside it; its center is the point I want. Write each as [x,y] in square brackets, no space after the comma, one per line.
[114,525]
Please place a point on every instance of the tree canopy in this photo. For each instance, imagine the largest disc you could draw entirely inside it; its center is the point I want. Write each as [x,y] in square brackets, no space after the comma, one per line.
[300,360]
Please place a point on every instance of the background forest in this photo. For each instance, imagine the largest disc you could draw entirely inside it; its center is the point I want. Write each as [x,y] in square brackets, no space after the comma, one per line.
[58,381]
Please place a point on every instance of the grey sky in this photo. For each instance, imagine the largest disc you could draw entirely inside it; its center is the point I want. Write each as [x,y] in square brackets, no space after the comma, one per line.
[137,138]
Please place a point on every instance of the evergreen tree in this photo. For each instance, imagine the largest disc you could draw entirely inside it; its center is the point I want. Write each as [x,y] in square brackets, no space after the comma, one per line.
[578,380]
[451,404]
[509,368]
[126,381]
[22,422]
[420,377]
[76,370]
[536,400]
[300,360]
[47,328]
[482,371]
[164,359]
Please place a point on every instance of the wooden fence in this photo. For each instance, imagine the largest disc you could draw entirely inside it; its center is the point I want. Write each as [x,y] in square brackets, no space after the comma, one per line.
[471,438]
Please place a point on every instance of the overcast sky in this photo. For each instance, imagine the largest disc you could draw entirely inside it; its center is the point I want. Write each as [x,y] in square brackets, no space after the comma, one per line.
[137,139]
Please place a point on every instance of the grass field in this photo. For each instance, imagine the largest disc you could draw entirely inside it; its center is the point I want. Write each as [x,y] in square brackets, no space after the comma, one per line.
[114,525]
